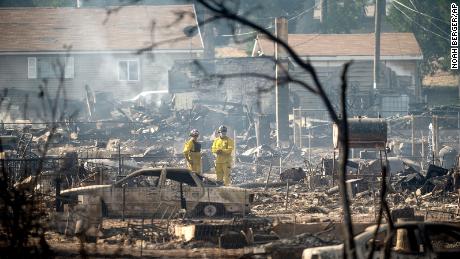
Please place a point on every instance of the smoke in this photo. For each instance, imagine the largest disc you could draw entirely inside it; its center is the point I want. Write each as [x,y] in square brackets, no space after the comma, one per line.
[149,97]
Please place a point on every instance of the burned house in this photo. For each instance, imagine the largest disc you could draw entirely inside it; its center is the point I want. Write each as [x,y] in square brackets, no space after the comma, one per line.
[124,51]
[114,183]
[400,83]
[241,79]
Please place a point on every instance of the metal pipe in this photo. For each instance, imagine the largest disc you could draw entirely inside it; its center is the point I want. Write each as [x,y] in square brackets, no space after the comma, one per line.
[234,147]
[124,203]
[423,150]
[295,126]
[309,145]
[413,135]
[201,163]
[281,164]
[300,129]
[287,194]
[119,158]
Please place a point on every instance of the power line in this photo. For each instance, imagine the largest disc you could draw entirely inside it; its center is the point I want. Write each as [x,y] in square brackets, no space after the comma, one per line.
[309,9]
[269,27]
[245,33]
[412,2]
[303,42]
[416,11]
[423,27]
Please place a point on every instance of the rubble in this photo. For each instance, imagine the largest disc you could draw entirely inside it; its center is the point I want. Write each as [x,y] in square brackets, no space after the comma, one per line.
[293,247]
[293,174]
[294,188]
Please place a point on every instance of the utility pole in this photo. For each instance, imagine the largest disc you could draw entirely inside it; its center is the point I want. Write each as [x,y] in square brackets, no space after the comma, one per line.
[208,31]
[377,15]
[458,87]
[282,91]
[413,135]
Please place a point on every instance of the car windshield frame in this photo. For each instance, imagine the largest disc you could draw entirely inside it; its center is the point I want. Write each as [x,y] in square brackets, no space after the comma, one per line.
[180,175]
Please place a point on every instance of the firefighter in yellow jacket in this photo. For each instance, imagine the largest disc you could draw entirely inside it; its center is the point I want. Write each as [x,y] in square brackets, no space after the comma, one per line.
[223,147]
[192,152]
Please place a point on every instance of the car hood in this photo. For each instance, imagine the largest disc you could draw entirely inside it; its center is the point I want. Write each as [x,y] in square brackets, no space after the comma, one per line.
[329,252]
[85,189]
[233,189]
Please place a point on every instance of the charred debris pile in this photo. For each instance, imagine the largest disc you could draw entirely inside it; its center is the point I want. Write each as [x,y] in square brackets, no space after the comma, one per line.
[118,137]
[292,186]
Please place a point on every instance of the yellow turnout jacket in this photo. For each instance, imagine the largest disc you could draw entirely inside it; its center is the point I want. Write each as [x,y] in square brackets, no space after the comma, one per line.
[225,144]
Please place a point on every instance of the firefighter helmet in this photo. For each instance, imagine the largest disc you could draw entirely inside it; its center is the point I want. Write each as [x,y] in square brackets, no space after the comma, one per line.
[194,132]
[222,128]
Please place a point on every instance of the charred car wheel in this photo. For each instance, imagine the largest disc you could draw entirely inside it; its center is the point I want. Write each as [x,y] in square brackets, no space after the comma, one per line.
[212,210]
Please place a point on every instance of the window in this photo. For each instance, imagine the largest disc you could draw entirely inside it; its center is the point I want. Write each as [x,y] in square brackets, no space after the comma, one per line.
[143,181]
[406,241]
[47,67]
[32,68]
[50,67]
[69,67]
[128,70]
[443,239]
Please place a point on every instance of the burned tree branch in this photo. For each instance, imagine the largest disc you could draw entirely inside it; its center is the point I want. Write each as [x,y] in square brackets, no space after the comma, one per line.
[228,14]
[222,11]
[349,244]
[383,191]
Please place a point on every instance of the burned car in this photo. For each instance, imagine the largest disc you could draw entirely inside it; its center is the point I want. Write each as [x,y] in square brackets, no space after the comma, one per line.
[411,240]
[159,192]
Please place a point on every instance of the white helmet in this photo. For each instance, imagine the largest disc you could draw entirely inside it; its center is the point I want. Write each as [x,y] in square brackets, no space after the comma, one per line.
[194,132]
[222,128]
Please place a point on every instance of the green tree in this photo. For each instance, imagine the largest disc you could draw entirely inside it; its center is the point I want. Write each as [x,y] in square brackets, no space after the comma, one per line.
[343,16]
[16,3]
[430,22]
[264,12]
[53,3]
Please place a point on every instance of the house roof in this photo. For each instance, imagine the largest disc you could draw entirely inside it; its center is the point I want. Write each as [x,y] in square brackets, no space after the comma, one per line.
[128,28]
[346,46]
